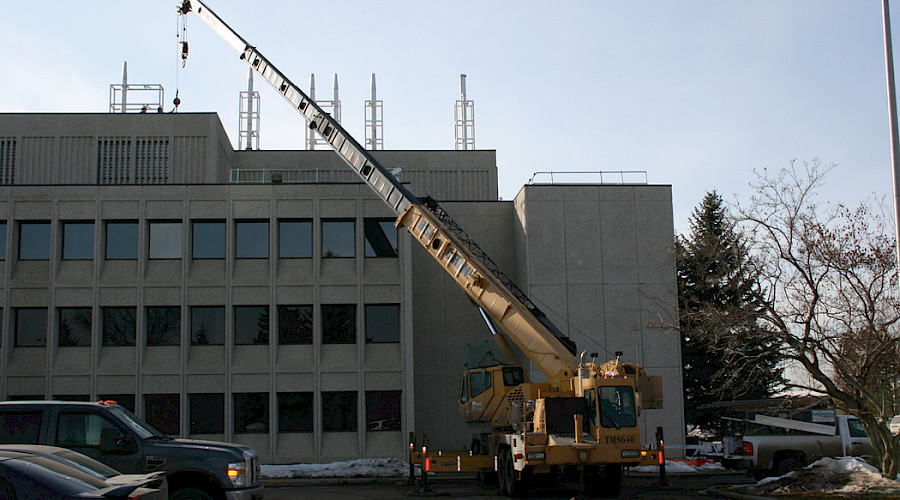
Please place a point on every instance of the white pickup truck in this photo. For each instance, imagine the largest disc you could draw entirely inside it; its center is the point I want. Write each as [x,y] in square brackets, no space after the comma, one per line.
[798,443]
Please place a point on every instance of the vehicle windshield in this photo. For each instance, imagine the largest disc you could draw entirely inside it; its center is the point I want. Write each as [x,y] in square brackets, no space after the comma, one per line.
[617,407]
[143,429]
[86,464]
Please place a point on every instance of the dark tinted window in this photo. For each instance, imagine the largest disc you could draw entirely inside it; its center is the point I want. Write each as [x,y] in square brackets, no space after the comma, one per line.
[383,410]
[295,412]
[338,238]
[251,325]
[122,240]
[251,413]
[162,412]
[163,325]
[207,413]
[617,407]
[208,325]
[381,237]
[20,427]
[208,239]
[74,326]
[251,239]
[295,324]
[480,382]
[34,241]
[295,239]
[338,324]
[165,240]
[31,327]
[3,240]
[119,326]
[78,240]
[339,411]
[382,323]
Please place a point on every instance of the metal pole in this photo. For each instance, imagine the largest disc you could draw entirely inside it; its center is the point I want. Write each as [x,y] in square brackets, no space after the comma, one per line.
[892,109]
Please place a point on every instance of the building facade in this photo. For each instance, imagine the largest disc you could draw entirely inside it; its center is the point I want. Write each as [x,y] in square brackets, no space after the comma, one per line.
[265,297]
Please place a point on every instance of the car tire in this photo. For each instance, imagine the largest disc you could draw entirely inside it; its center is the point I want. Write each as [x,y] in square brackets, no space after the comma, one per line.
[788,464]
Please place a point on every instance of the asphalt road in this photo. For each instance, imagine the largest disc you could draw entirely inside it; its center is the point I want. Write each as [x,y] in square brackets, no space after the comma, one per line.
[633,487]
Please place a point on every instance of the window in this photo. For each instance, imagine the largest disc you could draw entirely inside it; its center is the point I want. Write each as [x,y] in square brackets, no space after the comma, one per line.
[208,325]
[381,237]
[163,325]
[31,327]
[208,239]
[294,325]
[339,411]
[3,240]
[81,429]
[295,239]
[382,323]
[165,240]
[251,239]
[339,324]
[251,325]
[295,412]
[119,326]
[34,240]
[74,326]
[251,413]
[383,410]
[20,427]
[78,240]
[122,240]
[479,382]
[338,238]
[162,412]
[207,413]
[617,407]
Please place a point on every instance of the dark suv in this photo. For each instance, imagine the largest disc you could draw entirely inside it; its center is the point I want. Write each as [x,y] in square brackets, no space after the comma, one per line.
[105,431]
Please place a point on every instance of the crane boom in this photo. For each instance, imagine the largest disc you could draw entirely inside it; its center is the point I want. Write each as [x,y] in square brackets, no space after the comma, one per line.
[482,280]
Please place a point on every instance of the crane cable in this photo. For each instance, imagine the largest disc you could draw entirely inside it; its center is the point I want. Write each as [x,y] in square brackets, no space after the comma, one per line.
[181,35]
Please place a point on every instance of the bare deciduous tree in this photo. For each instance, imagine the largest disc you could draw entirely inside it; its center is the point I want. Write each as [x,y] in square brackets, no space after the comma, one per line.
[830,278]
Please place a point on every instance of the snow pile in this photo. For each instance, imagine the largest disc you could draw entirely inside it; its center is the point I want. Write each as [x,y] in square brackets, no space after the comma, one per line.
[846,477]
[681,466]
[366,467]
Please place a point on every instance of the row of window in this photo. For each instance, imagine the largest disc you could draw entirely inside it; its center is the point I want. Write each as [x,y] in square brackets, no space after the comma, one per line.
[208,239]
[162,325]
[206,414]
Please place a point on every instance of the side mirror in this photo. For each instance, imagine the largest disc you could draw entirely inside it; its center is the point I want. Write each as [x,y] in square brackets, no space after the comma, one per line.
[115,442]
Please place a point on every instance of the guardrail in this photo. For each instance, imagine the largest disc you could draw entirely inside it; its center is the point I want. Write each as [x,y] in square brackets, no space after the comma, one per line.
[292,176]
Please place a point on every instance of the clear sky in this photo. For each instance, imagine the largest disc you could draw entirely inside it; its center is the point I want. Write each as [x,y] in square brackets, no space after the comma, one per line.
[695,93]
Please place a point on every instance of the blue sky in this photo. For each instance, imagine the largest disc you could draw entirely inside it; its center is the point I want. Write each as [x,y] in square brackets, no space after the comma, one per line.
[696,93]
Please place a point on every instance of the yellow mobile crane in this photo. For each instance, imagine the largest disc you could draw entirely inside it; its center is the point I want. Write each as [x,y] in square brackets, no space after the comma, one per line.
[583,420]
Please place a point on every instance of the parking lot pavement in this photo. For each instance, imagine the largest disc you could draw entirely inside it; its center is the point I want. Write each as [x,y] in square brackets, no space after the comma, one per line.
[634,487]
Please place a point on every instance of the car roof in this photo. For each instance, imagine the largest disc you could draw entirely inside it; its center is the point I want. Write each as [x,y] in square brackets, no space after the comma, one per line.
[43,402]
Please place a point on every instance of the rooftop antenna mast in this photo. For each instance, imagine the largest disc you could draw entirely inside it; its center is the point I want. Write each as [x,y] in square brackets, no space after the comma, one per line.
[249,117]
[374,121]
[334,105]
[464,112]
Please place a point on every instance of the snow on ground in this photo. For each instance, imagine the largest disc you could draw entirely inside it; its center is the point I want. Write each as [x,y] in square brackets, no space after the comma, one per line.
[366,467]
[846,477]
[392,467]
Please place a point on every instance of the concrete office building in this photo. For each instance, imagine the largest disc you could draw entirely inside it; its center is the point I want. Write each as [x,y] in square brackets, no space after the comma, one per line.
[264,297]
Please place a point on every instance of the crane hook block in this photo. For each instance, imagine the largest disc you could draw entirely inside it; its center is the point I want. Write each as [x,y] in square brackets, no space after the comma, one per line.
[185,7]
[184,53]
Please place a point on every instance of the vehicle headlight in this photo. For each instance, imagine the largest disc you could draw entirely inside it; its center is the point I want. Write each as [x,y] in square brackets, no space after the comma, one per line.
[237,473]
[535,455]
[631,453]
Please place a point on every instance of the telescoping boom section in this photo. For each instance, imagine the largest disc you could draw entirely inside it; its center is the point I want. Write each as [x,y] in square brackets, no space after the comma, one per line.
[482,280]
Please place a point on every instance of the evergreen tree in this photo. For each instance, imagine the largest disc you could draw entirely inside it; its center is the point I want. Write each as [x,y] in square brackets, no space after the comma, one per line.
[718,298]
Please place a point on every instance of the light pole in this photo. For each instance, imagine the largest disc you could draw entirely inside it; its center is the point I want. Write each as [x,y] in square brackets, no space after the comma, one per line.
[892,109]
